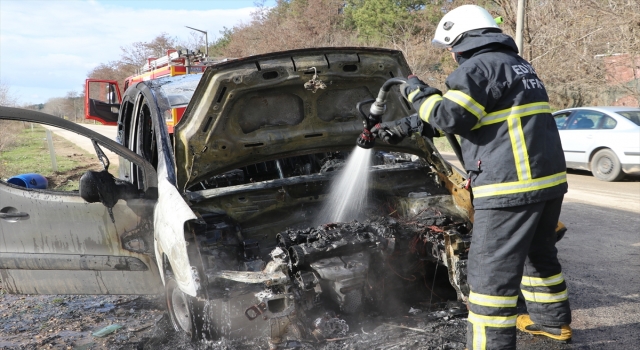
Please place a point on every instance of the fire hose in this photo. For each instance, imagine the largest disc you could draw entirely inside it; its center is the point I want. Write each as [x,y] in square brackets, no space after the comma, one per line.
[376,111]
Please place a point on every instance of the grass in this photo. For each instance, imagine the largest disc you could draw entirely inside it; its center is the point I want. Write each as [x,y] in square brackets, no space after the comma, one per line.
[443,145]
[29,153]
[8,132]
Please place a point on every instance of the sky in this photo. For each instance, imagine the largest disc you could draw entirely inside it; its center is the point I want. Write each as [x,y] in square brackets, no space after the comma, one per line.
[48,47]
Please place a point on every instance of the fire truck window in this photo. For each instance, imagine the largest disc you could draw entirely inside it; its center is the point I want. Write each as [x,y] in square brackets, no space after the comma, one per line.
[111,96]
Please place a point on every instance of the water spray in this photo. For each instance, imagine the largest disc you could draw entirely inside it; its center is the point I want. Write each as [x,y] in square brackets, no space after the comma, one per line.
[366,139]
[348,196]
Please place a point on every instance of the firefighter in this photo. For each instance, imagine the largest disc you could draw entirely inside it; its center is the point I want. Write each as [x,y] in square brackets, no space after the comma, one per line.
[512,153]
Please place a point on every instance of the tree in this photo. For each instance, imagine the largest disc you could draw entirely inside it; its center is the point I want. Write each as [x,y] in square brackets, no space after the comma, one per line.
[133,57]
[136,54]
[567,41]
[113,70]
[289,25]
[74,106]
[301,23]
[570,43]
[377,21]
[619,46]
[56,106]
[216,49]
[8,130]
[7,98]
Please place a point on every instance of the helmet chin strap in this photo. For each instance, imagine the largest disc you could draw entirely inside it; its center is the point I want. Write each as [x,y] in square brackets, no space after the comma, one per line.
[457,56]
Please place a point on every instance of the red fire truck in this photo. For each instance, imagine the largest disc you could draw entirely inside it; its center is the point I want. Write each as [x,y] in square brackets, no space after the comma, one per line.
[103,98]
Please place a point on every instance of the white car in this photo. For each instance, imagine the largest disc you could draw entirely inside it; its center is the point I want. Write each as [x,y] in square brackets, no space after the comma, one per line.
[221,213]
[604,140]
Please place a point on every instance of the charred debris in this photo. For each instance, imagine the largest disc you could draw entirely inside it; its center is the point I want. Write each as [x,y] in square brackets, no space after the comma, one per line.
[322,283]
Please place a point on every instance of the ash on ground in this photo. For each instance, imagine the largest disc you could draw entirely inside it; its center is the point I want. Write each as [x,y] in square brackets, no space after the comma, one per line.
[68,322]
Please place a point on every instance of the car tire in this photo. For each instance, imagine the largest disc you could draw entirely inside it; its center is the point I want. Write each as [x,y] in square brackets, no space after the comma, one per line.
[185,312]
[605,166]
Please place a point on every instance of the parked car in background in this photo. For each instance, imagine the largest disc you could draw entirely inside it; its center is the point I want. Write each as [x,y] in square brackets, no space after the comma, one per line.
[603,140]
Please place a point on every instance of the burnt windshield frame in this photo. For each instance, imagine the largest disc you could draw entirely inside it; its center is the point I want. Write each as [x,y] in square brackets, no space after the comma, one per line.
[176,91]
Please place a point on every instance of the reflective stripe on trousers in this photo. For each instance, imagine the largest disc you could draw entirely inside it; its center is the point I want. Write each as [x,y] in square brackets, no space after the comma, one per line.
[550,289]
[494,311]
[480,323]
[512,250]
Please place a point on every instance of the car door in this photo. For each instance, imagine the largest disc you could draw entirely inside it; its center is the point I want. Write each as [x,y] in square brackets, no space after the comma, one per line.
[577,137]
[52,241]
[102,101]
[561,119]
[143,130]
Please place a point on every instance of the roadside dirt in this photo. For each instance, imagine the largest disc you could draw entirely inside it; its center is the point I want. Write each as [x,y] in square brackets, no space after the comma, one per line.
[70,178]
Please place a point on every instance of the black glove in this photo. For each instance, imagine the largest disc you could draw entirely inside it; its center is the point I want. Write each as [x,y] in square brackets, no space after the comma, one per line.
[395,131]
[412,84]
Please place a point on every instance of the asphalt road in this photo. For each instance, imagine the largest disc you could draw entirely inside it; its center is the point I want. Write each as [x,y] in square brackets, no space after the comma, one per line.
[584,188]
[106,130]
[600,255]
[85,143]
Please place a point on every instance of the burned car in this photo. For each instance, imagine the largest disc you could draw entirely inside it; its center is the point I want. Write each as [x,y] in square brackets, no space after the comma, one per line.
[223,214]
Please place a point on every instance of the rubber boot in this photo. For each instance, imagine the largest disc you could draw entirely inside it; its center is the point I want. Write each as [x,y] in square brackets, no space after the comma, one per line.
[562,333]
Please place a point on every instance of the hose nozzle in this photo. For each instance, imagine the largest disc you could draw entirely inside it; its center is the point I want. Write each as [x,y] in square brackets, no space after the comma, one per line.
[366,139]
[378,106]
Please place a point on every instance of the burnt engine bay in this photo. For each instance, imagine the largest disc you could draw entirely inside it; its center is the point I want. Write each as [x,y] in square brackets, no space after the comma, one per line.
[285,281]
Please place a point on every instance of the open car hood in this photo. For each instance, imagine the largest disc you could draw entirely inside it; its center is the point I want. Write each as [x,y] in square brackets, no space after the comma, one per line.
[255,109]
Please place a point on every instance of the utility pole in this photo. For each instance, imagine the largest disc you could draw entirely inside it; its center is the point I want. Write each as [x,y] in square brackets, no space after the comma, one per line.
[520,25]
[206,39]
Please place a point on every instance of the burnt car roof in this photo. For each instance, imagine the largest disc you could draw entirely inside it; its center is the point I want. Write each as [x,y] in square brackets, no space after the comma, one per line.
[255,109]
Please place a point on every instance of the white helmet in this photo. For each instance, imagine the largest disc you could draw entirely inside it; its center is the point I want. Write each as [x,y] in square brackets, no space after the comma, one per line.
[461,20]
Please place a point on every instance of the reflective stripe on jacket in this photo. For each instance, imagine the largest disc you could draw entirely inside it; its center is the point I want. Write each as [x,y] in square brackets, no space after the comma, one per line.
[500,109]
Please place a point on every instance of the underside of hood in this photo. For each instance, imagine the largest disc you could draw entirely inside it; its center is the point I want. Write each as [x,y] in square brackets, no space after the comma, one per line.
[257,108]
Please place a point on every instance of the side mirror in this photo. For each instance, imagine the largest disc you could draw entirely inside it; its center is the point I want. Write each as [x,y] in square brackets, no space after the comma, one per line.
[100,186]
[89,187]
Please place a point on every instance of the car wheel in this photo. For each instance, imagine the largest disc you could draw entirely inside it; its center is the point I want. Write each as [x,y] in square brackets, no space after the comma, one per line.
[185,316]
[605,166]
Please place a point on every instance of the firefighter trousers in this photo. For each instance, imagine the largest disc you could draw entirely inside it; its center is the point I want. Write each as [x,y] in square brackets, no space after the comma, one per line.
[512,250]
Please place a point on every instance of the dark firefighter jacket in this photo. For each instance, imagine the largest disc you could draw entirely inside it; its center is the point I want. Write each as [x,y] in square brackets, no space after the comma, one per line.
[500,108]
